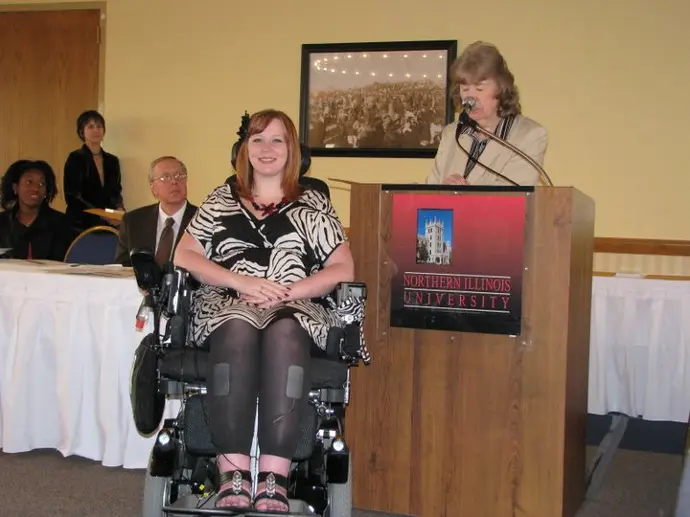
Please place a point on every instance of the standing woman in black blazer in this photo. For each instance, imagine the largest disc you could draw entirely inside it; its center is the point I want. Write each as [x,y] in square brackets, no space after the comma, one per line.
[92,176]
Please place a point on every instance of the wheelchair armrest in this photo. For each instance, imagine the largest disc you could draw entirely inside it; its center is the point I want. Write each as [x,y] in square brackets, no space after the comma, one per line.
[346,342]
[179,286]
[345,290]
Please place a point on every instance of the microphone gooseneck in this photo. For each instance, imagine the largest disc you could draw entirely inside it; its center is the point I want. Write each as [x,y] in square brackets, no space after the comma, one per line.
[476,160]
[468,105]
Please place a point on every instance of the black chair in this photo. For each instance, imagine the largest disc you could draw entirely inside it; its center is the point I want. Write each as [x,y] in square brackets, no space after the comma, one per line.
[95,246]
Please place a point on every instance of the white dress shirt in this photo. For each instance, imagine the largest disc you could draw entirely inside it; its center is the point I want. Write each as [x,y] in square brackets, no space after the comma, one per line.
[162,217]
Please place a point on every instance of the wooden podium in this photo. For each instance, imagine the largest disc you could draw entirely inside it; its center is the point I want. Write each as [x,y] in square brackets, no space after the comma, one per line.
[463,424]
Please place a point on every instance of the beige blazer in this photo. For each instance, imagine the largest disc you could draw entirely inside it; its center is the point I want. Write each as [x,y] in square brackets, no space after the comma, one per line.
[525,134]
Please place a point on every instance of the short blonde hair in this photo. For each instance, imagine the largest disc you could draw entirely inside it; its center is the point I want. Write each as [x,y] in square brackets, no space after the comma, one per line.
[481,61]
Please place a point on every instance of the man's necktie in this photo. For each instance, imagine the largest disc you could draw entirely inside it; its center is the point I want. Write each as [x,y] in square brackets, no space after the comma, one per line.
[165,245]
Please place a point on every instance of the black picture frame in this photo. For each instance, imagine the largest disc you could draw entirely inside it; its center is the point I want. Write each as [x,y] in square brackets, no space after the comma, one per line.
[350,98]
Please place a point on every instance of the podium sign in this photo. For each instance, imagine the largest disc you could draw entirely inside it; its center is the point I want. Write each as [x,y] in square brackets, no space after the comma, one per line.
[459,260]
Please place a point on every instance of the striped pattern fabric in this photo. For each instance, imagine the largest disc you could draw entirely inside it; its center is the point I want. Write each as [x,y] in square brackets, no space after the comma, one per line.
[285,247]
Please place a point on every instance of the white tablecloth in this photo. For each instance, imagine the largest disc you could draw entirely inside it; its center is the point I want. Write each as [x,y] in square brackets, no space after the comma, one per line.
[67,342]
[640,348]
[66,348]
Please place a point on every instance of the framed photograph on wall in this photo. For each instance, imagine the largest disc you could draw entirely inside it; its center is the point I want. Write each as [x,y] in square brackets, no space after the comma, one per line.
[388,99]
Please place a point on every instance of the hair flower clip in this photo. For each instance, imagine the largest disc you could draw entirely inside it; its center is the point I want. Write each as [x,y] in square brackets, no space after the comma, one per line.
[244,126]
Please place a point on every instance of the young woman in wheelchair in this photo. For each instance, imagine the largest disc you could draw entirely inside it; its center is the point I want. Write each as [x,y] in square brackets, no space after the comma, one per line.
[267,253]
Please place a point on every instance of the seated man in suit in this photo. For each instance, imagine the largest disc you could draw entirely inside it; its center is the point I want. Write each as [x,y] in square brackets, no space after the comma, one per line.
[158,227]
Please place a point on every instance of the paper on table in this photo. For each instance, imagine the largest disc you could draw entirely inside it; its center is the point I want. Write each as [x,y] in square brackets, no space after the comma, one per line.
[87,270]
[34,263]
[108,213]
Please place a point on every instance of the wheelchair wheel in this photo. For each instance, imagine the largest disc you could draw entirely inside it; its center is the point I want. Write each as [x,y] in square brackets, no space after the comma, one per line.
[159,491]
[340,497]
[155,492]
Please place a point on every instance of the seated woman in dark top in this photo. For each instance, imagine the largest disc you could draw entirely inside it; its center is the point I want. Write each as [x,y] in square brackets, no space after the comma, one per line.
[92,177]
[28,225]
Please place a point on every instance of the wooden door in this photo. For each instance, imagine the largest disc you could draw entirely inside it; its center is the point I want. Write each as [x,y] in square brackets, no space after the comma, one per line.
[48,75]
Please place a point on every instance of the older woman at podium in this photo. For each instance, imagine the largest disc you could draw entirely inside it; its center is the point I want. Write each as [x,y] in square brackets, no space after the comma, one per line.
[482,84]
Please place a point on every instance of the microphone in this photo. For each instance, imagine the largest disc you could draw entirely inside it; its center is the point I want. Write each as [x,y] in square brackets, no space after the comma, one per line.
[468,104]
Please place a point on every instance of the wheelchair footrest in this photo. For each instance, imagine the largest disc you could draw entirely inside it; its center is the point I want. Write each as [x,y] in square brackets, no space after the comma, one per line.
[192,505]
[198,440]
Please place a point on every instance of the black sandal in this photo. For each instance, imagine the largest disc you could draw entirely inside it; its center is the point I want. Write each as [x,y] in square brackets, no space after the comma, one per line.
[271,480]
[236,477]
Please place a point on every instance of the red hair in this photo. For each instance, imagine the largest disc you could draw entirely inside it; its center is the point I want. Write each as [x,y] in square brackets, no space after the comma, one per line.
[258,123]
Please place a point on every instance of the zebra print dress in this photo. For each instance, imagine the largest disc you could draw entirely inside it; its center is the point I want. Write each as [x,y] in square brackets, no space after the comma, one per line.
[285,247]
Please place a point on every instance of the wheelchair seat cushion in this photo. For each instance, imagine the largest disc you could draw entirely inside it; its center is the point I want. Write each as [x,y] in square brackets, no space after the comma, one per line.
[190,365]
[147,403]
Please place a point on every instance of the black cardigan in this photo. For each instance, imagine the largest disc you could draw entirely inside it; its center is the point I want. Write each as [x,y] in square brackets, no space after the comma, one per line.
[50,235]
[83,189]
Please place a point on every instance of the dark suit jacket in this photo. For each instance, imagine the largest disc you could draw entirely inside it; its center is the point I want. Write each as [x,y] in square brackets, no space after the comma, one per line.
[50,235]
[138,230]
[83,188]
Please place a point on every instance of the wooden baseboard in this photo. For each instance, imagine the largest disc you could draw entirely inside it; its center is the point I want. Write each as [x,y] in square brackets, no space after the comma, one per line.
[647,277]
[642,246]
[627,246]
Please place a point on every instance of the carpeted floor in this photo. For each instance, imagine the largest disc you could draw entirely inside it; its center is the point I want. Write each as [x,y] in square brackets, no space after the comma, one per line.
[44,484]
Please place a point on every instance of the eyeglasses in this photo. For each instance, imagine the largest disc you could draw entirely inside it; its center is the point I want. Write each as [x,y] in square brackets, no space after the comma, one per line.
[166,178]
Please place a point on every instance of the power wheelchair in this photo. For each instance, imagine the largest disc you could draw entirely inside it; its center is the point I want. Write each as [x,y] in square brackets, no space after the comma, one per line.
[182,477]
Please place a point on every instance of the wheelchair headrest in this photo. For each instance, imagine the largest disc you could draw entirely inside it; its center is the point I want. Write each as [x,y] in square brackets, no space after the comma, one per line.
[315,184]
[305,153]
[305,181]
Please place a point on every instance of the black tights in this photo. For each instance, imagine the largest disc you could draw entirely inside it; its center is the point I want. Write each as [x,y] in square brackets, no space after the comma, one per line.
[272,363]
